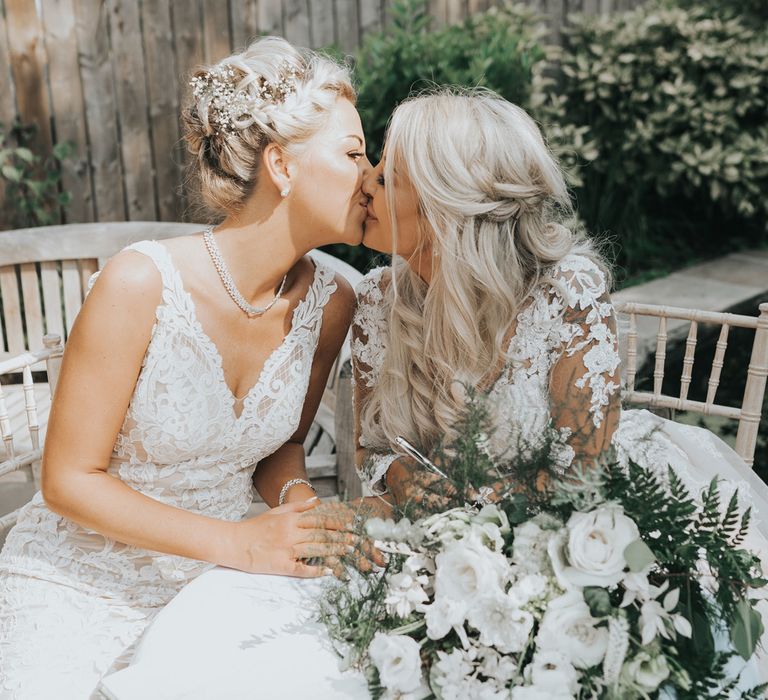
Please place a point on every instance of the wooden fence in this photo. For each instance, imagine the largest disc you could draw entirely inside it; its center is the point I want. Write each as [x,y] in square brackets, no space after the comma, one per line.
[109,76]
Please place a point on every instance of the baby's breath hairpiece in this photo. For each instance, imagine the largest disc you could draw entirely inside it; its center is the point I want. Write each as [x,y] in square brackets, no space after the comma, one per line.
[235,109]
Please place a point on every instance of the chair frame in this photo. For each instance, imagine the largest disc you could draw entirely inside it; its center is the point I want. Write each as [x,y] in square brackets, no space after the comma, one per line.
[51,354]
[749,413]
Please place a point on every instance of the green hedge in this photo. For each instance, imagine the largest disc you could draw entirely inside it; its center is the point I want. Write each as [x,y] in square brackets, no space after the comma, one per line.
[676,100]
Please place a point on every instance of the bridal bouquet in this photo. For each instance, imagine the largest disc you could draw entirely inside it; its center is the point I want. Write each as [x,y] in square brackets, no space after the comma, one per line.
[614,583]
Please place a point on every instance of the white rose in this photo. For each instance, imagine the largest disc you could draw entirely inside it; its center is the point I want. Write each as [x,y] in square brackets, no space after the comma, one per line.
[568,627]
[466,569]
[527,588]
[529,548]
[501,623]
[550,670]
[398,661]
[592,552]
[443,615]
[646,672]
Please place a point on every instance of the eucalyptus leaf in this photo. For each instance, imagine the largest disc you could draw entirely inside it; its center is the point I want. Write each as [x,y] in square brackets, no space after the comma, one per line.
[638,555]
[746,629]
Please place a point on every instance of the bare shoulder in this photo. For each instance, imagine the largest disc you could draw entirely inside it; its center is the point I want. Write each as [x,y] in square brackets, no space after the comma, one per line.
[338,312]
[128,277]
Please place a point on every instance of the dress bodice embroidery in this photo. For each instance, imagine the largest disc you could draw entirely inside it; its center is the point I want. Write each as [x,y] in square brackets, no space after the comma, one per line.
[181,443]
[567,316]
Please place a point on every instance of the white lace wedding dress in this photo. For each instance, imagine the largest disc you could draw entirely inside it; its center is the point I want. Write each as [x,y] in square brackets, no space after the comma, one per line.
[564,353]
[73,602]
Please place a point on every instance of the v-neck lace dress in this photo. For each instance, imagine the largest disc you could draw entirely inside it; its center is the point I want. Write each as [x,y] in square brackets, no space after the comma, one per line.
[72,601]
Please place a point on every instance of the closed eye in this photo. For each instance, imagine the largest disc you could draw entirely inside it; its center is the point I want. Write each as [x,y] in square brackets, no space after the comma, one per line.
[380,180]
[356,155]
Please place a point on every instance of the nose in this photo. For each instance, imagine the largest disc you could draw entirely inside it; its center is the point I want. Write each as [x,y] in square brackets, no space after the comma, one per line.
[369,179]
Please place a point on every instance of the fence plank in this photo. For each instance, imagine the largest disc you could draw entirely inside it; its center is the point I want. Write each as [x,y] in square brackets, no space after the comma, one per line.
[324,25]
[131,94]
[162,78]
[33,310]
[96,74]
[370,17]
[244,22]
[216,39]
[7,86]
[347,24]
[27,51]
[271,17]
[297,22]
[67,105]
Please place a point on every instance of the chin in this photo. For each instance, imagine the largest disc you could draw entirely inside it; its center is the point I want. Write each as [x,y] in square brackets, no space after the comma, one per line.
[372,241]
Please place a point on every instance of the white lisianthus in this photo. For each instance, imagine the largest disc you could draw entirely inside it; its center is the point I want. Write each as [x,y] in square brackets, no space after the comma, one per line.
[501,623]
[591,553]
[551,670]
[657,618]
[532,692]
[527,588]
[493,665]
[568,627]
[405,593]
[491,513]
[443,615]
[646,672]
[466,569]
[397,659]
[529,548]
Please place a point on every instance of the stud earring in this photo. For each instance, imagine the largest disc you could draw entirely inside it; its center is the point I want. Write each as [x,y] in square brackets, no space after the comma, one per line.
[285,191]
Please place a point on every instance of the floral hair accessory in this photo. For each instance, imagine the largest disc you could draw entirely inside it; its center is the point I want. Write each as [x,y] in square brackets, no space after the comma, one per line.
[236,108]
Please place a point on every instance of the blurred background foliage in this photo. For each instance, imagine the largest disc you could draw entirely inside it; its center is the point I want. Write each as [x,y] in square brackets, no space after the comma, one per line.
[659,115]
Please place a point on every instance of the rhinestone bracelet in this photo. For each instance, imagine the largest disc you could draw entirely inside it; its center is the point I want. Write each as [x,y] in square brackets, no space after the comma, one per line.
[288,484]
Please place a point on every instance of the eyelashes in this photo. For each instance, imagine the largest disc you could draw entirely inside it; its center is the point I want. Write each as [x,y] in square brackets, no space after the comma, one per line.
[380,180]
[356,156]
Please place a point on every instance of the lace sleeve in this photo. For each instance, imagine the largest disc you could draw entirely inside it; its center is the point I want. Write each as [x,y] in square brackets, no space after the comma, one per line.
[369,327]
[584,383]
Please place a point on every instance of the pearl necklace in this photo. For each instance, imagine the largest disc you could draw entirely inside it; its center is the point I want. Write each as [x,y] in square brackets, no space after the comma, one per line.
[229,283]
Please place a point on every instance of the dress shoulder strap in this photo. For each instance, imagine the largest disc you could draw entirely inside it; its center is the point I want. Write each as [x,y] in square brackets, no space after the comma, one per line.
[159,255]
[309,312]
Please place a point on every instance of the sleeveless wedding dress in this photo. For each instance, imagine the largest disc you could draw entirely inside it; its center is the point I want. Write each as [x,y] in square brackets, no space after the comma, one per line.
[73,602]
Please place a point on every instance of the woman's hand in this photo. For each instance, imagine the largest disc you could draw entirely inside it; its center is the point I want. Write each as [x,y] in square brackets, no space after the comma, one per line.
[345,521]
[416,490]
[280,540]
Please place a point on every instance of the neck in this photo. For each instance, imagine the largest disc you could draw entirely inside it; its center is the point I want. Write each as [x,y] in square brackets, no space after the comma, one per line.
[259,249]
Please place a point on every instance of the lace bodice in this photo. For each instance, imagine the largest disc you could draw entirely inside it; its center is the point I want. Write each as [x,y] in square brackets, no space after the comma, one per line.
[565,329]
[181,443]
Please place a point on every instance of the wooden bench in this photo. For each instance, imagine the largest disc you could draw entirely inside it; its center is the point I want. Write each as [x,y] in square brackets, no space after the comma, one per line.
[44,274]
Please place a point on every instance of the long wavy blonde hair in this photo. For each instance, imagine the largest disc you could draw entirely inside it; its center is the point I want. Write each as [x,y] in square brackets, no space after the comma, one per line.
[490,196]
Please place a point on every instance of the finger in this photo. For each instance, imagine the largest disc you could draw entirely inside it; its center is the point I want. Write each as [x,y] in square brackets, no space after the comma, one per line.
[326,520]
[360,562]
[297,506]
[303,570]
[322,535]
[336,566]
[307,550]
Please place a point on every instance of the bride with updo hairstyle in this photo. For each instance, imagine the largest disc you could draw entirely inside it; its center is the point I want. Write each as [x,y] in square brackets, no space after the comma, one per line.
[191,376]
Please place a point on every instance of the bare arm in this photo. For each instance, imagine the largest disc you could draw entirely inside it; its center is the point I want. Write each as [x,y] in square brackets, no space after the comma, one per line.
[288,461]
[101,365]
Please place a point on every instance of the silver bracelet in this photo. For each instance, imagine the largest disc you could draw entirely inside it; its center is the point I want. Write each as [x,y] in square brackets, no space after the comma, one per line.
[288,484]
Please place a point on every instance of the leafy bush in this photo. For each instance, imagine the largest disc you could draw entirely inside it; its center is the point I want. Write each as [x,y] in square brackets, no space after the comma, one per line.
[676,100]
[32,195]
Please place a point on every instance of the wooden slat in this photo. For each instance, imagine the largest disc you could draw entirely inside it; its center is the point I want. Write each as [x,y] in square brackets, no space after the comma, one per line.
[662,401]
[73,298]
[87,268]
[271,17]
[323,26]
[67,104]
[162,78]
[7,86]
[187,29]
[754,391]
[455,11]
[690,351]
[244,20]
[216,38]
[30,407]
[33,309]
[131,101]
[296,13]
[97,82]
[347,24]
[632,352]
[5,426]
[661,353]
[52,301]
[27,51]
[370,17]
[717,364]
[9,289]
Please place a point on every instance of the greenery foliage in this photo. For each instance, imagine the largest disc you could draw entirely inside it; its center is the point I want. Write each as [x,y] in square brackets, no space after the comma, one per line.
[676,100]
[32,192]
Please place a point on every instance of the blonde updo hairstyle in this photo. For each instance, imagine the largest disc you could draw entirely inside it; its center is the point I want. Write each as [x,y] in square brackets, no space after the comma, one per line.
[490,196]
[226,160]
